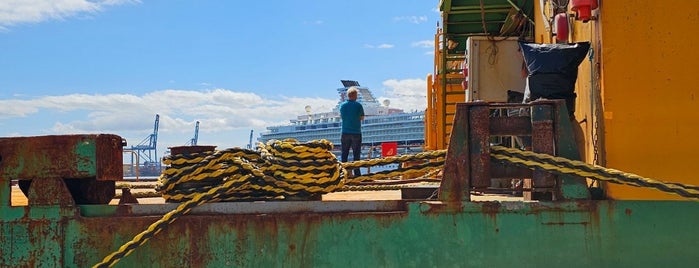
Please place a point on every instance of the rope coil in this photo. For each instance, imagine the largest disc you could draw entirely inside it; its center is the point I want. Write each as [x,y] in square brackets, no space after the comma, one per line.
[280,169]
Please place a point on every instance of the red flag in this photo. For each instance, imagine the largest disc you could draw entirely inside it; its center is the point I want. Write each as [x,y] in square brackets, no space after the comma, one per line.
[389,149]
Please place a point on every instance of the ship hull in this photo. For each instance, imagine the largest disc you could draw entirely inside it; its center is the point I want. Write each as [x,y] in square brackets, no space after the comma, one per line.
[374,234]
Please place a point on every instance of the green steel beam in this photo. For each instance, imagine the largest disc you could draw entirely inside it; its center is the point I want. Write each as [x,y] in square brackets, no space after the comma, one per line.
[483,234]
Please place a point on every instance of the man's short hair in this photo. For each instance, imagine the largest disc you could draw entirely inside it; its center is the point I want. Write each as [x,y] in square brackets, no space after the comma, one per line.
[352,90]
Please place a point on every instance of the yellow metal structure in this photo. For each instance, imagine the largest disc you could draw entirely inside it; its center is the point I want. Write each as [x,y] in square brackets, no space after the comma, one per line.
[637,99]
[647,91]
[444,90]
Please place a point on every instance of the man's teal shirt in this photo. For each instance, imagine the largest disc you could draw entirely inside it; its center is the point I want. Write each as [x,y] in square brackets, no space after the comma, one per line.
[351,111]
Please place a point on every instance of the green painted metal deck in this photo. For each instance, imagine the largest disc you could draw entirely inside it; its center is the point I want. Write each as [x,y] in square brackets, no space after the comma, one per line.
[361,234]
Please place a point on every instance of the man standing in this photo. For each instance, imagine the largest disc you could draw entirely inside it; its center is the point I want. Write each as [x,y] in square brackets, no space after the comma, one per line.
[352,114]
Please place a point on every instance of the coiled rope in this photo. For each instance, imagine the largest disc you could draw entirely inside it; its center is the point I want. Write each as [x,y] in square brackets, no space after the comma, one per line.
[280,169]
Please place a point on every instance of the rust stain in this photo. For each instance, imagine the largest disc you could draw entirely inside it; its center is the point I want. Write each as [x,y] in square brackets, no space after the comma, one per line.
[627,212]
[198,250]
[479,146]
[123,210]
[491,209]
[436,207]
[566,223]
[56,156]
[611,209]
[384,221]
[109,155]
[593,208]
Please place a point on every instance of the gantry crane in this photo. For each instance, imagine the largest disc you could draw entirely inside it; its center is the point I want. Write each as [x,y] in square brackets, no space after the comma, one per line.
[250,141]
[193,141]
[147,152]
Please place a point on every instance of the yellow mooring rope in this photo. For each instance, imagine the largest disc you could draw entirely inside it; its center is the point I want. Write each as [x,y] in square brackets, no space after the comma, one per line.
[559,165]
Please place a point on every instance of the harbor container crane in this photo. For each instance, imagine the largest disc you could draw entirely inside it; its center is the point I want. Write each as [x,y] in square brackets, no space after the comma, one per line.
[193,141]
[148,153]
[250,141]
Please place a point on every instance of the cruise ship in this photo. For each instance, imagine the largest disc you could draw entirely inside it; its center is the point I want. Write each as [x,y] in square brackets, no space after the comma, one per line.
[382,124]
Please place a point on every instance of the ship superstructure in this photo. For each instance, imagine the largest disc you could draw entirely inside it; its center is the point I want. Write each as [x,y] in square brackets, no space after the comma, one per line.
[381,123]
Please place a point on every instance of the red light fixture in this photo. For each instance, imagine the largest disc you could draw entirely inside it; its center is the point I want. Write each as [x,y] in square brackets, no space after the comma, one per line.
[583,8]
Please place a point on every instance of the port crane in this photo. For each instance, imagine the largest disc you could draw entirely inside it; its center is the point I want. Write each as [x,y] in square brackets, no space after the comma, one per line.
[147,152]
[193,141]
[250,141]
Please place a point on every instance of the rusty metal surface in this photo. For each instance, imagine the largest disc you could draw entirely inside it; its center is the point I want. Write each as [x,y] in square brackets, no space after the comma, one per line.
[455,180]
[109,155]
[425,234]
[66,156]
[515,126]
[543,142]
[63,170]
[502,171]
[479,144]
[49,191]
[258,207]
[480,123]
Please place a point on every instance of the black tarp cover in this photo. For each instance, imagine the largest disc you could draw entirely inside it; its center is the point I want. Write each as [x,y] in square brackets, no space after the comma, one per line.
[552,70]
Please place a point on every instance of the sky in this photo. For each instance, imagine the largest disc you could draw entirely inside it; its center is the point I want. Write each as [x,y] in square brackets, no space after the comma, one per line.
[109,66]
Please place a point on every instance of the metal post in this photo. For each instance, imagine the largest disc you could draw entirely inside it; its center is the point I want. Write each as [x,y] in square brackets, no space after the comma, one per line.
[455,185]
[5,192]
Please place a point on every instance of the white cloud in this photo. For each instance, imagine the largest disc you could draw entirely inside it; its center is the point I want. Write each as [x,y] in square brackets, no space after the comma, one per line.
[380,46]
[16,108]
[423,43]
[412,19]
[14,12]
[407,94]
[314,22]
[219,110]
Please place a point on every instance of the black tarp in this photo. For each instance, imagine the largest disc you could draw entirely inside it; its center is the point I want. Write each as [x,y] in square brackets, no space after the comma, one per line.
[552,70]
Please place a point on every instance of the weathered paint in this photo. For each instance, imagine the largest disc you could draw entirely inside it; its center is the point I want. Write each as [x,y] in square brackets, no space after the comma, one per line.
[84,166]
[468,161]
[637,93]
[66,156]
[493,234]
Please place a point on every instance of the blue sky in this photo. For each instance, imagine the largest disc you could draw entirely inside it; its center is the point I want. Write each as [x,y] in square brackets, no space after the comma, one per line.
[109,66]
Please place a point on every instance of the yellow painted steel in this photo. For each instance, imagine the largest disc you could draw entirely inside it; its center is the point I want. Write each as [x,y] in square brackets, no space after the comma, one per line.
[441,99]
[442,113]
[430,124]
[637,99]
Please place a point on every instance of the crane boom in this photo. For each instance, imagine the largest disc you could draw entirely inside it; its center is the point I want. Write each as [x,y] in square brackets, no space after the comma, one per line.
[196,134]
[147,151]
[194,140]
[250,141]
